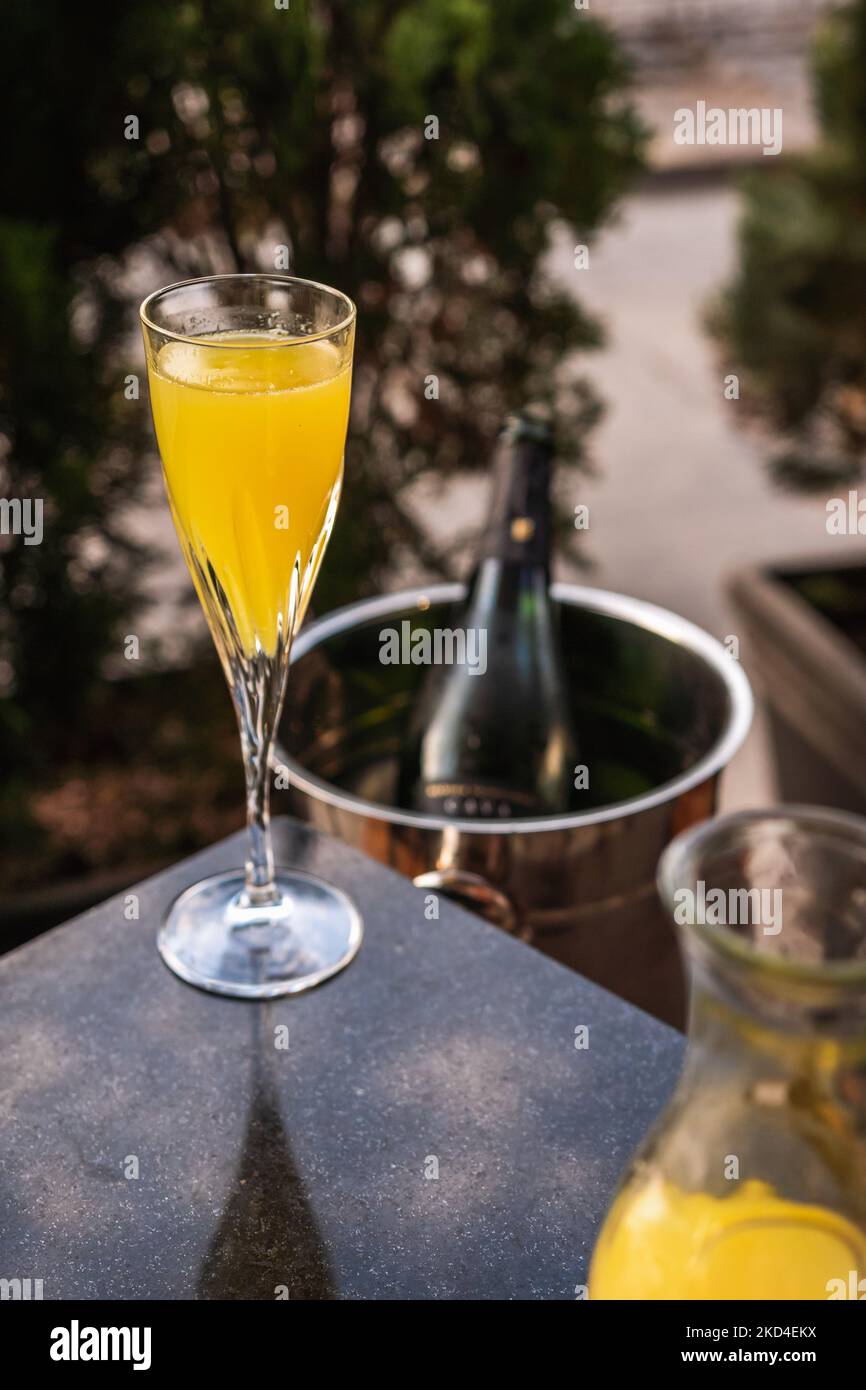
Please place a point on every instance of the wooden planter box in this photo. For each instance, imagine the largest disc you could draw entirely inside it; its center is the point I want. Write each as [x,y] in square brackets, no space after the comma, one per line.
[803,641]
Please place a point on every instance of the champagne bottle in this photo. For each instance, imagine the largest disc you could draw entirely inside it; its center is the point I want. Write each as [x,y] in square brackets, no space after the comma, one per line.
[495,739]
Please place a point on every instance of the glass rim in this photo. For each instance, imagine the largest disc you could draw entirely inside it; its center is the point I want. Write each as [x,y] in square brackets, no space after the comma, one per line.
[676,871]
[197,339]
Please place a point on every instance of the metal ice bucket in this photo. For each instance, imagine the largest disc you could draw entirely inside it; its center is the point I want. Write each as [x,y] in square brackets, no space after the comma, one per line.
[665,696]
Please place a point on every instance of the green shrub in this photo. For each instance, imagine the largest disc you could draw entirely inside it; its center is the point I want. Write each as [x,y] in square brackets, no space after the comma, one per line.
[794,319]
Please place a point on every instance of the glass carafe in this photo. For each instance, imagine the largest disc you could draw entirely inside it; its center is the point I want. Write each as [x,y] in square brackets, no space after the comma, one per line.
[753,1182]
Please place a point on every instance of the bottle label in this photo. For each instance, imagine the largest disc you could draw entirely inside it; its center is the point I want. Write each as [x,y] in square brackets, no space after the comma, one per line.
[476,800]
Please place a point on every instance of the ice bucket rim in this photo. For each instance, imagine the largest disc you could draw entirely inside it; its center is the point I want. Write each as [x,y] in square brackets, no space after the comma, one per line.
[639,612]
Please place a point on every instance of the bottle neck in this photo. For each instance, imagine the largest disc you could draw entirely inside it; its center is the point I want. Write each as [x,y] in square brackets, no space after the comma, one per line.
[518,533]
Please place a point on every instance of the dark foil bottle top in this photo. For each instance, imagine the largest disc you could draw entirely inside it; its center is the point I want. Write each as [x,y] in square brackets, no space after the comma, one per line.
[518,529]
[532,423]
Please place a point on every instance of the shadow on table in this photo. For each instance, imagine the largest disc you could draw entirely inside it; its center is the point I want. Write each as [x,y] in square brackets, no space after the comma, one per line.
[268,1236]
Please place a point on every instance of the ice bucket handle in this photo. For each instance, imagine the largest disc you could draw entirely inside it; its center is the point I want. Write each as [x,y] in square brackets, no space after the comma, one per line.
[474,892]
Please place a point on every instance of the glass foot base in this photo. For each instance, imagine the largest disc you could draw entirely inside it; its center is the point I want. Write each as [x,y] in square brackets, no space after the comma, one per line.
[212,939]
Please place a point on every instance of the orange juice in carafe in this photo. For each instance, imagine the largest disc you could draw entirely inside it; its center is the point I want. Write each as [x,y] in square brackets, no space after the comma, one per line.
[753,1183]
[660,1242]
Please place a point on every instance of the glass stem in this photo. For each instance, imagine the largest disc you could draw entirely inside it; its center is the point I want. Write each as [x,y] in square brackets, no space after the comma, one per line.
[260,886]
[258,693]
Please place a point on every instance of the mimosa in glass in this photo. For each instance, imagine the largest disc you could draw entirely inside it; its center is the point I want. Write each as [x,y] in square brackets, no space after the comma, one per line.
[250,380]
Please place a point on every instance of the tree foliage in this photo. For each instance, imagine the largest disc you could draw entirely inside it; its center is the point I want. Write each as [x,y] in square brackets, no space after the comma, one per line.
[260,127]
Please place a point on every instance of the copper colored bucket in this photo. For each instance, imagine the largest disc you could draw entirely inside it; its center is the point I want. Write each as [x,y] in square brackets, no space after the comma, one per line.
[662,694]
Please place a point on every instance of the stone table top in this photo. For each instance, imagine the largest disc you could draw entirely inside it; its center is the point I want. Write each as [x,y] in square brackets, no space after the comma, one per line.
[431,1131]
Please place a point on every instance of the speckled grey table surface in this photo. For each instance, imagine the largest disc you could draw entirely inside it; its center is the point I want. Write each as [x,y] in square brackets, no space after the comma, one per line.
[156,1142]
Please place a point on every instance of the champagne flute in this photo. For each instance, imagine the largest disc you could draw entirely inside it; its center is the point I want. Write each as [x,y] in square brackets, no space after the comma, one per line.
[250,379]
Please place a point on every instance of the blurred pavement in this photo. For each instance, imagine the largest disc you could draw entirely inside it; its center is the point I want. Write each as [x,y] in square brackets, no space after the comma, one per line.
[681,498]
